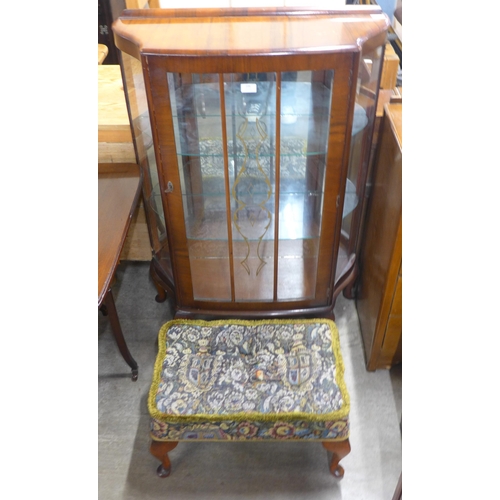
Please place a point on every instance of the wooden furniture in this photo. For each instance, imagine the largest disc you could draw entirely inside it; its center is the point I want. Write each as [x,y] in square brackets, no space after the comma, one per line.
[102,52]
[237,380]
[254,140]
[379,294]
[119,189]
[385,96]
[389,77]
[115,146]
[398,492]
[114,125]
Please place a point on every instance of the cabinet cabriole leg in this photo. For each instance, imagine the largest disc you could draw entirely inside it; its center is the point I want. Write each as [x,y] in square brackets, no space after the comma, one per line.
[162,293]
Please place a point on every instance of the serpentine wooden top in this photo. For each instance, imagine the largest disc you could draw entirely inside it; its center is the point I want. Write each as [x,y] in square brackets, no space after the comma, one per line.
[252,31]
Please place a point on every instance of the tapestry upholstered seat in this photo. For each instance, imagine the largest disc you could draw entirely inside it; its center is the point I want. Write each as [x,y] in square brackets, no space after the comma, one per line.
[237,380]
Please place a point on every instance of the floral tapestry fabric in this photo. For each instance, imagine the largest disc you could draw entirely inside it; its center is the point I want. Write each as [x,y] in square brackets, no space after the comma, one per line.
[273,379]
[253,430]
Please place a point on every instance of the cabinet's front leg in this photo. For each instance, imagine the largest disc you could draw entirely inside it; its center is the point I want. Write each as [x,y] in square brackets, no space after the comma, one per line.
[339,450]
[162,293]
[160,449]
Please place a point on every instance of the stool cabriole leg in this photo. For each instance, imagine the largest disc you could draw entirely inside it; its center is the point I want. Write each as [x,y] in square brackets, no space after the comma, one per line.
[339,450]
[160,449]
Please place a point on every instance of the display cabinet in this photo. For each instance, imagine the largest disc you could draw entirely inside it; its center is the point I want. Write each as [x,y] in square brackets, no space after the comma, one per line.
[253,129]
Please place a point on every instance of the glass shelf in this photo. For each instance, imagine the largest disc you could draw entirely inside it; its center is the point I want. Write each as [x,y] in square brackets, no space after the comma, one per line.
[202,100]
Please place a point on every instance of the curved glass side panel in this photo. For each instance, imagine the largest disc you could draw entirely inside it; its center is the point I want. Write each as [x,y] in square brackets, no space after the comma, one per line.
[139,118]
[361,135]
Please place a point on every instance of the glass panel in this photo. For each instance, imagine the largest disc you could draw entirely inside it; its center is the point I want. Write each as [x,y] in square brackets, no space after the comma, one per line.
[364,115]
[251,124]
[136,92]
[248,230]
[305,118]
[196,109]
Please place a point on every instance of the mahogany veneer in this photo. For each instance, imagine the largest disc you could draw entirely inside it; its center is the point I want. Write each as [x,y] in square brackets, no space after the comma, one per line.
[191,77]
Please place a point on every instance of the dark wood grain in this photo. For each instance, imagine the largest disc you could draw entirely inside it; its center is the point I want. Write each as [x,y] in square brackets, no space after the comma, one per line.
[380,286]
[211,42]
[248,31]
[119,189]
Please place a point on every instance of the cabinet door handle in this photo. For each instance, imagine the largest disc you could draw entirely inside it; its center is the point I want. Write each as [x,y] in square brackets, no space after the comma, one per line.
[170,187]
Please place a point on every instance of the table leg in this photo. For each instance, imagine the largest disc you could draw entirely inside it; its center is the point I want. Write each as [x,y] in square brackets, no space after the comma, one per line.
[109,303]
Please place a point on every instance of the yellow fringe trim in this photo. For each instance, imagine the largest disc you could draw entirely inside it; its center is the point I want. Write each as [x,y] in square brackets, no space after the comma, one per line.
[245,440]
[247,416]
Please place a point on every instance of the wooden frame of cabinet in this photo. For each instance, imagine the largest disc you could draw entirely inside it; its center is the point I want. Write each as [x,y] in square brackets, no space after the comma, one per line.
[179,54]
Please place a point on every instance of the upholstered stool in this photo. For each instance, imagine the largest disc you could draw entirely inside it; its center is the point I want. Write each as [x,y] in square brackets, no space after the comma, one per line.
[237,380]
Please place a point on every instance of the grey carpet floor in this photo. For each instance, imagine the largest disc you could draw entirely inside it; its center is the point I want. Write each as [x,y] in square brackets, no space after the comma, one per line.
[236,470]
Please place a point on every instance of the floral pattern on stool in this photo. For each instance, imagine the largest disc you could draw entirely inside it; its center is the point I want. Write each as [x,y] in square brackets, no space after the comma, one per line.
[239,380]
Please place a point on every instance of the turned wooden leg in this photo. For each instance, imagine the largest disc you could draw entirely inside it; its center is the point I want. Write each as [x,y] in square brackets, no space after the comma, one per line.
[339,450]
[160,449]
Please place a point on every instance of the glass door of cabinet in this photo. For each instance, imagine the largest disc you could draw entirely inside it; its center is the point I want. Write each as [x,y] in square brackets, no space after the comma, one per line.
[251,155]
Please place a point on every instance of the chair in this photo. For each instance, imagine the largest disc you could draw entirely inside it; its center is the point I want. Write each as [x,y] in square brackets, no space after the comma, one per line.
[237,380]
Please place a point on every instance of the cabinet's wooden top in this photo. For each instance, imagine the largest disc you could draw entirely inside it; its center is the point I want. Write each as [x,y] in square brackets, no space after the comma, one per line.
[252,31]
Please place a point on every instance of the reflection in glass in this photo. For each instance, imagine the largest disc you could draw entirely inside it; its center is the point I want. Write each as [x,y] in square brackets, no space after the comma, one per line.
[250,126]
[305,119]
[139,117]
[196,105]
[252,195]
[364,115]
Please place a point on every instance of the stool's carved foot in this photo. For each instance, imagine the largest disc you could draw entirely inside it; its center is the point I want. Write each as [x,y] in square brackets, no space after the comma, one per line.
[135,374]
[162,472]
[339,450]
[160,449]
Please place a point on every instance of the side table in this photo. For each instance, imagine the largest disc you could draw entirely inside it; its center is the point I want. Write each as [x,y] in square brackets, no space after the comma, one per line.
[119,193]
